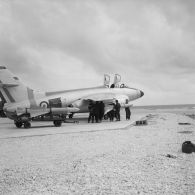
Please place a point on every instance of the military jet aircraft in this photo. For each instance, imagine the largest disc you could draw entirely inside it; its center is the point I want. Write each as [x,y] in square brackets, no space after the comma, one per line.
[24,105]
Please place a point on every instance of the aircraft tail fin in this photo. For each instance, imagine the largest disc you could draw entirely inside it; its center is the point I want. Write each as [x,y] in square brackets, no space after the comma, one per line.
[12,90]
[106,80]
[117,78]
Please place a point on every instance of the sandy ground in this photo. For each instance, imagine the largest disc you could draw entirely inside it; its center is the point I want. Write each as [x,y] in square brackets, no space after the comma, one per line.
[105,158]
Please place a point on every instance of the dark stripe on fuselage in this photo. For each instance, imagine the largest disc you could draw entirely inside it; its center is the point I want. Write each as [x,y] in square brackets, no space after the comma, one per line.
[11,99]
[31,98]
[2,97]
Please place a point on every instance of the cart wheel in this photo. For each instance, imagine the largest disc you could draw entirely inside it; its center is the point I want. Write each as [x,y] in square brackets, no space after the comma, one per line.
[18,124]
[57,123]
[27,125]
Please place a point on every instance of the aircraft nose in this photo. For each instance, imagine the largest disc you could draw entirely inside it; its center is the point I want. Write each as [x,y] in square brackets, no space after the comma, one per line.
[142,93]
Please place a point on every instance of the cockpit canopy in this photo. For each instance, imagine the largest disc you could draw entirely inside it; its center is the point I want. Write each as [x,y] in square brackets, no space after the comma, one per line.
[123,86]
[117,82]
[118,85]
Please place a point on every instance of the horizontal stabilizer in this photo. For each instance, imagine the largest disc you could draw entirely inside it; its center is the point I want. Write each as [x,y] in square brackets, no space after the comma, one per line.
[8,85]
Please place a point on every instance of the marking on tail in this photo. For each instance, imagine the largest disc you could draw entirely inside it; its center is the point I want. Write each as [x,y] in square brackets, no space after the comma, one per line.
[7,93]
[2,97]
[11,99]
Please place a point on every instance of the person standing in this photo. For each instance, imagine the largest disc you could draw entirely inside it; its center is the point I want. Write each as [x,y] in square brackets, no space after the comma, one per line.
[111,113]
[117,110]
[91,112]
[97,111]
[127,110]
[101,114]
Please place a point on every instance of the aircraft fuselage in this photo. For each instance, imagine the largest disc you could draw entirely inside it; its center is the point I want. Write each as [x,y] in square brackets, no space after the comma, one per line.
[61,99]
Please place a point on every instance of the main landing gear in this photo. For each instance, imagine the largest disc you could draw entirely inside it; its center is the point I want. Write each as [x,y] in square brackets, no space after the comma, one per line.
[71,115]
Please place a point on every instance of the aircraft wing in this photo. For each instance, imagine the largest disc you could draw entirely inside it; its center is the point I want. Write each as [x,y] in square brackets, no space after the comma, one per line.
[101,97]
[107,98]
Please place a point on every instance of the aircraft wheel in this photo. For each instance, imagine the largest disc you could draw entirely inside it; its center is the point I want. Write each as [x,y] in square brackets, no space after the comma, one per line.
[71,115]
[18,124]
[57,123]
[27,125]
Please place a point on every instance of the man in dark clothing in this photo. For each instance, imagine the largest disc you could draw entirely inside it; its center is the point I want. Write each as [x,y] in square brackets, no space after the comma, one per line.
[117,110]
[111,115]
[97,111]
[127,110]
[91,112]
[112,112]
[101,109]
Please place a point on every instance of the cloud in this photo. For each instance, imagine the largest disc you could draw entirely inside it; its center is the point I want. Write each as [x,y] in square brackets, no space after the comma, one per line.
[150,43]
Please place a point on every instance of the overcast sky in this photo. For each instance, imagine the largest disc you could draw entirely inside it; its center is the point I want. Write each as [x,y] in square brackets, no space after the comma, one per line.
[64,44]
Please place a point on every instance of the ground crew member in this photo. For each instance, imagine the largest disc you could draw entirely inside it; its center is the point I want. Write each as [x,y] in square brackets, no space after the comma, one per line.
[91,112]
[96,111]
[111,113]
[101,107]
[117,110]
[127,110]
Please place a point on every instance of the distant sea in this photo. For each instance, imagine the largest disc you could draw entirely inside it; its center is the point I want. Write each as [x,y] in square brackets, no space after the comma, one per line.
[176,106]
[187,109]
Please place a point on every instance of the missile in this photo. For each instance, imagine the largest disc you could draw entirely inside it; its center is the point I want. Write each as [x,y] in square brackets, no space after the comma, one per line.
[40,111]
[64,110]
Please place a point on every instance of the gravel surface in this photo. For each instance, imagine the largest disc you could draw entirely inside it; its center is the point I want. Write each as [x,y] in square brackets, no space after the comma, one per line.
[133,160]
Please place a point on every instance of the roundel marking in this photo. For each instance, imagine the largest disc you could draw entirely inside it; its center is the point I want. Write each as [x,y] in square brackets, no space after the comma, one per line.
[44,104]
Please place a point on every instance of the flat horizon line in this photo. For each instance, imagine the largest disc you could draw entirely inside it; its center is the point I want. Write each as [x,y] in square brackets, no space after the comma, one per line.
[165,105]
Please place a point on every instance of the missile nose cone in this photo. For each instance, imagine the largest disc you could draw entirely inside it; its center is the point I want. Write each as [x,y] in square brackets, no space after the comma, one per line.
[142,93]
